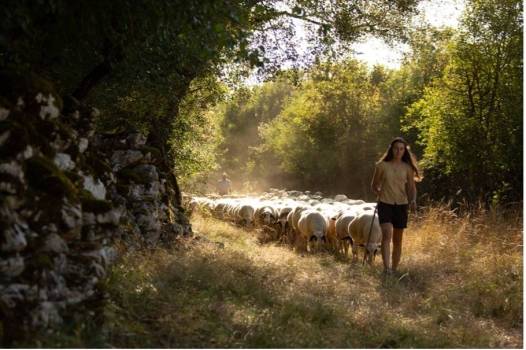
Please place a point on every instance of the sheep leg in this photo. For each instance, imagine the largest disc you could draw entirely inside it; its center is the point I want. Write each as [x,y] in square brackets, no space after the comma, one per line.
[345,247]
[298,243]
[354,254]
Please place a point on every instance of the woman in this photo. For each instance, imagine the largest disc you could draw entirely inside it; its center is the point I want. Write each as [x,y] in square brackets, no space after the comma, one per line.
[394,185]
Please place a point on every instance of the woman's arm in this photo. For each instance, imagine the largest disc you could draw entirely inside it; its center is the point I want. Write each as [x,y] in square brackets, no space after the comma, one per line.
[411,189]
[376,181]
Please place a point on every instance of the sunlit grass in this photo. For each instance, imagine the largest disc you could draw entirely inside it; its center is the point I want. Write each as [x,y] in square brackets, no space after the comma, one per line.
[460,285]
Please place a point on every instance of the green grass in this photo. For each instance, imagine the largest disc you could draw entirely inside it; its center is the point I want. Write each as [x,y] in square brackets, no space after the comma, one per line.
[462,288]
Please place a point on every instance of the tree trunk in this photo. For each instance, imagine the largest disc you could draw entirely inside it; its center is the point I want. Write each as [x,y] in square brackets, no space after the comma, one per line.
[91,80]
[112,54]
[159,138]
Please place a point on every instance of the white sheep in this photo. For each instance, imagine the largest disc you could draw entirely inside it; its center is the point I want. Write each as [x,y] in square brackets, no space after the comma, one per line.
[282,219]
[244,214]
[342,231]
[312,226]
[359,229]
[265,215]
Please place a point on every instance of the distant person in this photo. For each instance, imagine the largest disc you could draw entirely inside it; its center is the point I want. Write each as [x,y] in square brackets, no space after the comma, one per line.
[394,185]
[224,186]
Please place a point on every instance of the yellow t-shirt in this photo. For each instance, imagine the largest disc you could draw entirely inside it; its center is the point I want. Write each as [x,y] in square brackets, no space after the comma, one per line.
[393,178]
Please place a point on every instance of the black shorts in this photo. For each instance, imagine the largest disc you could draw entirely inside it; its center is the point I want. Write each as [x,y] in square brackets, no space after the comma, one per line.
[393,213]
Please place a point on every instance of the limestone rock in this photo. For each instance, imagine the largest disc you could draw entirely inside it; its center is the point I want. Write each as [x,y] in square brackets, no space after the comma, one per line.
[12,169]
[135,140]
[14,238]
[121,159]
[61,206]
[46,314]
[111,217]
[96,188]
[54,244]
[63,161]
[147,172]
[12,266]
[71,215]
[49,108]
[12,294]
[83,144]
[4,113]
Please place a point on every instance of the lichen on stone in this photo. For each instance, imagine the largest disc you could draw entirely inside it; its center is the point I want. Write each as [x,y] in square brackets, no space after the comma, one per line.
[63,161]
[48,109]
[95,186]
[83,144]
[14,239]
[64,206]
[4,113]
[93,205]
[45,175]
[4,136]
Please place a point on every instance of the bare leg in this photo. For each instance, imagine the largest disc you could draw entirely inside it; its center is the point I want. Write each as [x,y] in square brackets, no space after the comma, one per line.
[397,246]
[387,234]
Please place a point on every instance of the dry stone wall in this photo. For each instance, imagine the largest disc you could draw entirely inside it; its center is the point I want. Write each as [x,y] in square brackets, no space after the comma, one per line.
[66,195]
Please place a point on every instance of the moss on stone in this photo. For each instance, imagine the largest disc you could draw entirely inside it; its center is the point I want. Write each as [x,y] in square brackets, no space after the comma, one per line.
[93,205]
[41,261]
[65,131]
[122,188]
[17,140]
[44,175]
[5,103]
[8,178]
[26,85]
[25,130]
[99,166]
[155,152]
[74,177]
[129,174]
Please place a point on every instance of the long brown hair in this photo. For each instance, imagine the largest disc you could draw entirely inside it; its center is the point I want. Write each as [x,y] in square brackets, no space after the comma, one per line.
[408,157]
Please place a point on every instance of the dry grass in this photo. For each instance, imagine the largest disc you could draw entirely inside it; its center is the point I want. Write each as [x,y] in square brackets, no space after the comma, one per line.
[461,288]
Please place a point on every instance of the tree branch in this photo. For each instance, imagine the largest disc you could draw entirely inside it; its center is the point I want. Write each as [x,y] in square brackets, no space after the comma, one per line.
[112,55]
[91,80]
[303,18]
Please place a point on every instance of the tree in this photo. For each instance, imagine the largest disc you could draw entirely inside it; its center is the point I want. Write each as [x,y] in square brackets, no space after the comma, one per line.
[136,60]
[325,135]
[196,133]
[470,121]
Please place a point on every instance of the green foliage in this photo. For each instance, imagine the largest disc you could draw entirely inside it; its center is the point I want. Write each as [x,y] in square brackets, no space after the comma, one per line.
[324,132]
[460,91]
[469,121]
[457,98]
[327,129]
[421,67]
[155,48]
[196,133]
[138,60]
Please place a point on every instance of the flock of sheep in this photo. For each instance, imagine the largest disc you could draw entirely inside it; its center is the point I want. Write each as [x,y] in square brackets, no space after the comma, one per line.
[305,221]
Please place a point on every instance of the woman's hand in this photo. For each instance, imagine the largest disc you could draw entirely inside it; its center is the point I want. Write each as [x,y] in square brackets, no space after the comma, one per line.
[412,206]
